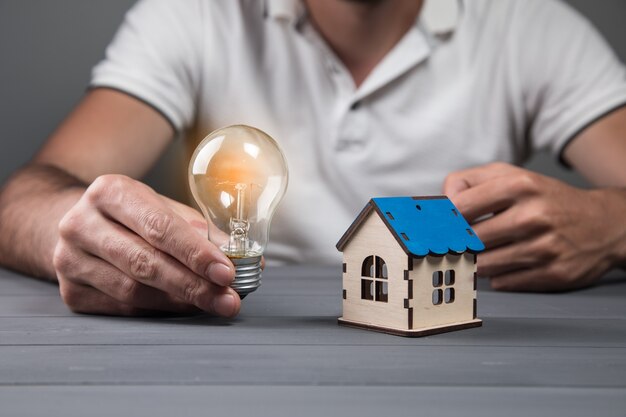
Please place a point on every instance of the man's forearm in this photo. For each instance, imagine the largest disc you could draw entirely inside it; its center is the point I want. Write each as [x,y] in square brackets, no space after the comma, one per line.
[615,206]
[32,203]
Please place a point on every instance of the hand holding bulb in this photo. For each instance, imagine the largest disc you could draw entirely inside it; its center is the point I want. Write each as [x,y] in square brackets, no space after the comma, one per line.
[237,176]
[123,249]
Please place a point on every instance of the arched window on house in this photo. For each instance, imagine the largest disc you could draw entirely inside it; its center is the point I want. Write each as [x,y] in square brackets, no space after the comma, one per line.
[374,282]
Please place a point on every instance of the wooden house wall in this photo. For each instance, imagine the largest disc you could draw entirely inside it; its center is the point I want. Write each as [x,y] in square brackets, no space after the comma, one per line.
[373,238]
[425,313]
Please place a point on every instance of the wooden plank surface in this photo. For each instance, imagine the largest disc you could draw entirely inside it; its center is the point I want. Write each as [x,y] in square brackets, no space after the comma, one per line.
[313,365]
[547,353]
[282,401]
[302,330]
[311,291]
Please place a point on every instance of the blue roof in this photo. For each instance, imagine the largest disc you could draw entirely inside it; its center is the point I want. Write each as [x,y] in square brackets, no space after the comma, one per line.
[422,225]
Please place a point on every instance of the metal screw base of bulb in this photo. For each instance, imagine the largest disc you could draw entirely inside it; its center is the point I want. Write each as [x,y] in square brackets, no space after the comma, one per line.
[247,275]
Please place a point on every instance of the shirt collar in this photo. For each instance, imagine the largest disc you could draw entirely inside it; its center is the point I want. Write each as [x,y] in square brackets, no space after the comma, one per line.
[439,16]
[288,10]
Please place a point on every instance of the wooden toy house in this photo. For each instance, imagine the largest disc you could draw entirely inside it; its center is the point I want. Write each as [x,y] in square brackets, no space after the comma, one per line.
[410,267]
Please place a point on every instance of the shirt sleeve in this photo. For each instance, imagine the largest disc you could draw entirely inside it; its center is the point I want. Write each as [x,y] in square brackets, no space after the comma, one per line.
[154,57]
[570,76]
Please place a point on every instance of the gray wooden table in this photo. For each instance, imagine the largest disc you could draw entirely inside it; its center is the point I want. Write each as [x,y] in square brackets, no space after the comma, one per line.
[536,354]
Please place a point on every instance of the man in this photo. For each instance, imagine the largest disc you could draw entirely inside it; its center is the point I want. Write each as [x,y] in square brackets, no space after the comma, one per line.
[367,98]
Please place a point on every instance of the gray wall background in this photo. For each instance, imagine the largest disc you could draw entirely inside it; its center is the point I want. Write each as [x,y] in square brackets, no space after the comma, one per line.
[47,49]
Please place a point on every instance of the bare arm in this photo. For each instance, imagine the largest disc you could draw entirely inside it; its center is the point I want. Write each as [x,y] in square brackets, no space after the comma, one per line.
[599,152]
[31,206]
[545,235]
[109,132]
[77,214]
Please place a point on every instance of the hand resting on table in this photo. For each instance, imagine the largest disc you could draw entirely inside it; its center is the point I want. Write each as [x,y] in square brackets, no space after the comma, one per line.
[544,235]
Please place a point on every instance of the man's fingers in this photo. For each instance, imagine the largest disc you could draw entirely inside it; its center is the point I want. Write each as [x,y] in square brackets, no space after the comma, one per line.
[102,276]
[528,253]
[459,181]
[146,265]
[143,212]
[496,194]
[513,224]
[482,199]
[521,280]
[531,265]
[149,266]
[87,300]
[533,280]
[190,215]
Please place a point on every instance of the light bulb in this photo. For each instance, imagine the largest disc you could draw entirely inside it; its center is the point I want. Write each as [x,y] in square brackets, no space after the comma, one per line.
[238,175]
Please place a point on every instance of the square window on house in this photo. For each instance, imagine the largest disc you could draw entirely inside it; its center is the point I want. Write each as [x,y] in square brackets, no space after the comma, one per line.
[437,297]
[448,295]
[437,279]
[450,277]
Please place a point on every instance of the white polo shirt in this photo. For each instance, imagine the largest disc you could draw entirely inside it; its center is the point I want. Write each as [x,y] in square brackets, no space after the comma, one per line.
[470,83]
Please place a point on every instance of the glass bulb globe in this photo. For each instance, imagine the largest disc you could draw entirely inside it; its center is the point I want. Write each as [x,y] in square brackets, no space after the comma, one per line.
[238,175]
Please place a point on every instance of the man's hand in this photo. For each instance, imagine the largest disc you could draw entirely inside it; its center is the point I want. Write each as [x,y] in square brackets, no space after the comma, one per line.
[542,235]
[125,250]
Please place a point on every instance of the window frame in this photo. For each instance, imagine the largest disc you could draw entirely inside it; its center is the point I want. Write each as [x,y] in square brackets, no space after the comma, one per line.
[443,282]
[374,279]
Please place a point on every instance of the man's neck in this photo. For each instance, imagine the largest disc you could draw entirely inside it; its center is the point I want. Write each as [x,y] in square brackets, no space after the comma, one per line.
[362,32]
